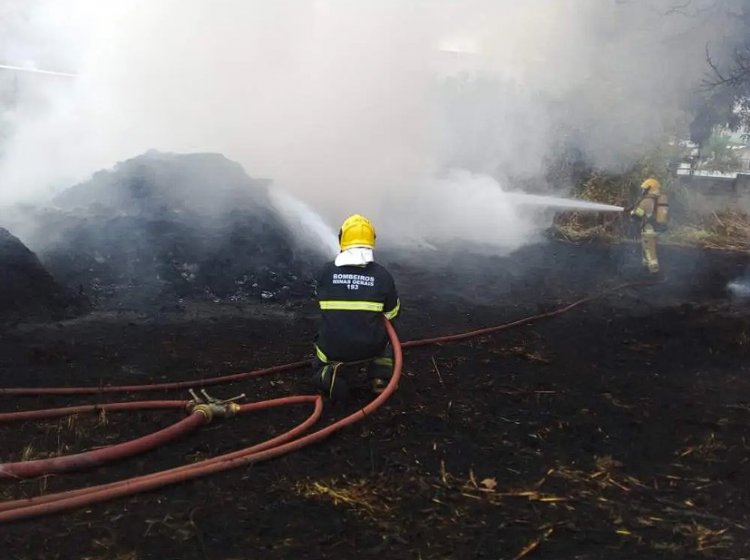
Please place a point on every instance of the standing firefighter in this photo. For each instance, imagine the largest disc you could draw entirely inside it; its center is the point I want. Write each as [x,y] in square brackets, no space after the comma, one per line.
[354,294]
[651,209]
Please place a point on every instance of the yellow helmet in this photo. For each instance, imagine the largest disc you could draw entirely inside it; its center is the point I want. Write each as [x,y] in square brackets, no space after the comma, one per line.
[651,185]
[356,231]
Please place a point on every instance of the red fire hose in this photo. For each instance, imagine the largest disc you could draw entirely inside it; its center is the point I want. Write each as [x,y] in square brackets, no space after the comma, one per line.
[282,438]
[26,391]
[95,458]
[90,459]
[285,443]
[70,410]
[171,386]
[54,503]
[525,321]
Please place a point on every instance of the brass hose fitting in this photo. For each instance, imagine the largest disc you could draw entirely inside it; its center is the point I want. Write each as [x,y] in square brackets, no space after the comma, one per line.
[204,409]
[231,409]
[211,407]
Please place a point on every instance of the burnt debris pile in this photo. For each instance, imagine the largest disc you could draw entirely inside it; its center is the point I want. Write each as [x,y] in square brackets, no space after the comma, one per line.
[161,228]
[28,291]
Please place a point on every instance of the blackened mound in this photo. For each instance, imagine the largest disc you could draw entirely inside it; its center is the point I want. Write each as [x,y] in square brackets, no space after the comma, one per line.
[158,185]
[160,228]
[27,290]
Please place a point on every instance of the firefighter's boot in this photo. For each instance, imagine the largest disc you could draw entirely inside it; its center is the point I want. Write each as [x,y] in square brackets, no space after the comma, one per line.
[380,371]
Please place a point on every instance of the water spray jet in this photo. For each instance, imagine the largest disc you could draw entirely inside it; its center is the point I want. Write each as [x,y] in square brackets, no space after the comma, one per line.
[303,219]
[523,199]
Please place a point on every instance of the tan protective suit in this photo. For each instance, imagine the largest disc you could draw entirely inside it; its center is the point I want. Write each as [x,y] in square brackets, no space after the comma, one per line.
[645,211]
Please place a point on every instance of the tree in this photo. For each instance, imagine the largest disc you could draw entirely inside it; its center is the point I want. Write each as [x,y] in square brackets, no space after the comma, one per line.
[726,100]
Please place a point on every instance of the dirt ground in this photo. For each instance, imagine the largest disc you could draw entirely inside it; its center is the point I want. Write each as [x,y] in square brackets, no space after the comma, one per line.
[617,430]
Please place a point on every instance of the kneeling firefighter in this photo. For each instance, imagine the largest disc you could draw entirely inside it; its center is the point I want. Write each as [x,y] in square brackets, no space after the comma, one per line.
[651,209]
[354,293]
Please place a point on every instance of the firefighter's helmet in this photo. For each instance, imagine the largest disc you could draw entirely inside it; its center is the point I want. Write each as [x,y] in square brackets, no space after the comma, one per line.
[651,186]
[356,231]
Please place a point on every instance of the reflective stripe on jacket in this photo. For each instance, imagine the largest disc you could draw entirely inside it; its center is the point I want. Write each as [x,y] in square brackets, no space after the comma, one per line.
[353,301]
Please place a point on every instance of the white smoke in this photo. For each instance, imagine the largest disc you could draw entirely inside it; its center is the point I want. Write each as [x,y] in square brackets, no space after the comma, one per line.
[353,105]
[462,205]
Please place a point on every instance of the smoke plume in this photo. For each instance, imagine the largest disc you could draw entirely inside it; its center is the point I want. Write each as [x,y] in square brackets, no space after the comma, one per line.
[419,114]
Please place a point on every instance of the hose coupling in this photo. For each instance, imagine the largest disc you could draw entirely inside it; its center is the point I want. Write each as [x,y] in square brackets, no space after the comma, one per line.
[203,409]
[212,407]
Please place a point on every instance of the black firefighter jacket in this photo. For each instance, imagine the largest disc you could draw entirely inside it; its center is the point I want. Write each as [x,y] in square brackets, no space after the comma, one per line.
[353,301]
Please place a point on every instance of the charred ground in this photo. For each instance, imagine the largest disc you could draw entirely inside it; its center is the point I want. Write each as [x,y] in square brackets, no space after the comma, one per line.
[618,429]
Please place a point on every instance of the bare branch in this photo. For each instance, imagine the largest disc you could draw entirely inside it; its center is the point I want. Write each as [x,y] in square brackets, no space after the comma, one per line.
[739,74]
[712,65]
